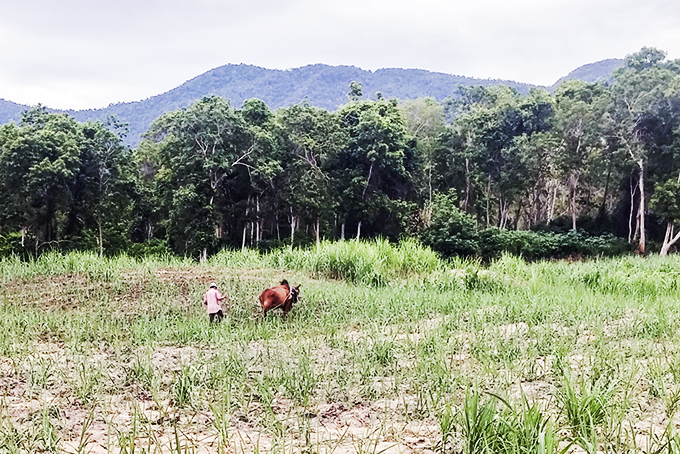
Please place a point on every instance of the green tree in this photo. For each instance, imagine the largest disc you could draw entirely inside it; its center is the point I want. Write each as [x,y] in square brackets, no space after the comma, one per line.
[578,123]
[39,158]
[377,166]
[482,143]
[644,93]
[666,203]
[197,150]
[310,138]
[425,121]
[450,232]
[355,91]
[103,189]
[264,168]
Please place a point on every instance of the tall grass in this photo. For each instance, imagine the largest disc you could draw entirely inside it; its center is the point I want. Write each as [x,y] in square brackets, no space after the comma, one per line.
[374,262]
[86,263]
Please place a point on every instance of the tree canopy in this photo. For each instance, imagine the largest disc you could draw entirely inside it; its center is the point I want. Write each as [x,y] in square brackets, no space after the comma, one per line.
[592,158]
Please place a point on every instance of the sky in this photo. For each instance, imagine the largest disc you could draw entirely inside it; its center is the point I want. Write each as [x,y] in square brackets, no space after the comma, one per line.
[79,54]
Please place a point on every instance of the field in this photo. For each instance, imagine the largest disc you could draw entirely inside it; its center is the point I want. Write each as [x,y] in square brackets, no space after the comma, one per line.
[391,350]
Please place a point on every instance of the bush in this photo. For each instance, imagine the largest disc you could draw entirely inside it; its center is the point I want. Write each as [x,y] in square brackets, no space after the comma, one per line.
[545,244]
[10,244]
[152,247]
[454,233]
[451,232]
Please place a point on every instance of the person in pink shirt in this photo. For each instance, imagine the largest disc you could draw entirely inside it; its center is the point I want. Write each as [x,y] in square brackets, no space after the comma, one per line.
[211,300]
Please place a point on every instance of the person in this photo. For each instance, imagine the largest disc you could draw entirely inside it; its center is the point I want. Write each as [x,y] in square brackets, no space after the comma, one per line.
[211,300]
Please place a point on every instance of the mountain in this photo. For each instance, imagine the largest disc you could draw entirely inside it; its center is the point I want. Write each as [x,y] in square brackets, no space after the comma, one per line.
[10,111]
[600,71]
[322,85]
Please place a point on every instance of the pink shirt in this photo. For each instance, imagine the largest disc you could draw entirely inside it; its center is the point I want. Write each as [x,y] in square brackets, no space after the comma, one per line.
[212,300]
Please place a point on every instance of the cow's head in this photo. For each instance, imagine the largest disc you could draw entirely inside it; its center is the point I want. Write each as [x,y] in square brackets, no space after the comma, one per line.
[294,293]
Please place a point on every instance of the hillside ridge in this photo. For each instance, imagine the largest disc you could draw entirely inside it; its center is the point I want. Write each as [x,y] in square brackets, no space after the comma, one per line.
[321,85]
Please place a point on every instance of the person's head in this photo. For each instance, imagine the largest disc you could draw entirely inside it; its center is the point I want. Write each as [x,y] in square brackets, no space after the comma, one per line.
[213,285]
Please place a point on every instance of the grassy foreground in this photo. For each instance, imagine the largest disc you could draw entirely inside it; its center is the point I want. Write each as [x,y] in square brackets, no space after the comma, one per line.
[391,350]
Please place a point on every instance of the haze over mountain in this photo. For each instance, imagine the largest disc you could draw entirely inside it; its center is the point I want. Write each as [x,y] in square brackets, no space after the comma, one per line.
[322,85]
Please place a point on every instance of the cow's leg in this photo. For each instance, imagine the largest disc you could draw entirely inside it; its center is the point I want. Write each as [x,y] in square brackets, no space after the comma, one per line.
[287,307]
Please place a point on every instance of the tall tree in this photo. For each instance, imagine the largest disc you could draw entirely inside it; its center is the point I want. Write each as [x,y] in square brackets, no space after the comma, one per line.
[104,188]
[486,130]
[376,167]
[580,108]
[425,121]
[642,93]
[198,149]
[264,167]
[39,158]
[310,138]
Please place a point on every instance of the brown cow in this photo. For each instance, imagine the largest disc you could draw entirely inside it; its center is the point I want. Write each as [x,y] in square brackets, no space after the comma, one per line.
[283,296]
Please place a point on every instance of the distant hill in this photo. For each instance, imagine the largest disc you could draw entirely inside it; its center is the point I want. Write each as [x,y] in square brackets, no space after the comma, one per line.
[600,71]
[322,85]
[10,111]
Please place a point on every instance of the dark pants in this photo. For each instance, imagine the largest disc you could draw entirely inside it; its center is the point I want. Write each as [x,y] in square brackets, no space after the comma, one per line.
[217,315]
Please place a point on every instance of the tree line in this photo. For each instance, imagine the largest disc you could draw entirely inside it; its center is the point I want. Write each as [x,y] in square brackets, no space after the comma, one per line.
[471,175]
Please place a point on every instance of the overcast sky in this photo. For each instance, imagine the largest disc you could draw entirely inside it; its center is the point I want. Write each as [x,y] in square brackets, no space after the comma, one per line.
[90,53]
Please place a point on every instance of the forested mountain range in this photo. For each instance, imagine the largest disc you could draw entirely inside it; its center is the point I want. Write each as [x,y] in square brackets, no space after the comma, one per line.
[322,85]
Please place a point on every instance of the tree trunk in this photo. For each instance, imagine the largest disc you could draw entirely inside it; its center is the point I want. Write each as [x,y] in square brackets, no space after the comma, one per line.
[551,214]
[278,229]
[318,232]
[535,207]
[342,230]
[468,185]
[101,240]
[603,207]
[642,244]
[429,177]
[518,214]
[257,220]
[503,212]
[669,240]
[359,230]
[488,197]
[292,227]
[633,190]
[572,183]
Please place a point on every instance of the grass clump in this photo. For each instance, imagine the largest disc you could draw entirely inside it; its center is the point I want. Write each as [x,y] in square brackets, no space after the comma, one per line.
[487,429]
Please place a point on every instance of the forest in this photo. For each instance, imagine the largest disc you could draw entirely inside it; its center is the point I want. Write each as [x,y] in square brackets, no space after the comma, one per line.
[591,169]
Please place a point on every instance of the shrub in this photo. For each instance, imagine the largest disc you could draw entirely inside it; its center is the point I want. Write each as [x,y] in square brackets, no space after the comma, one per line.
[152,247]
[544,244]
[10,244]
[451,231]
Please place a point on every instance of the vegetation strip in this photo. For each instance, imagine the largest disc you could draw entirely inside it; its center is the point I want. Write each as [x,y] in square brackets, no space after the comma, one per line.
[117,355]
